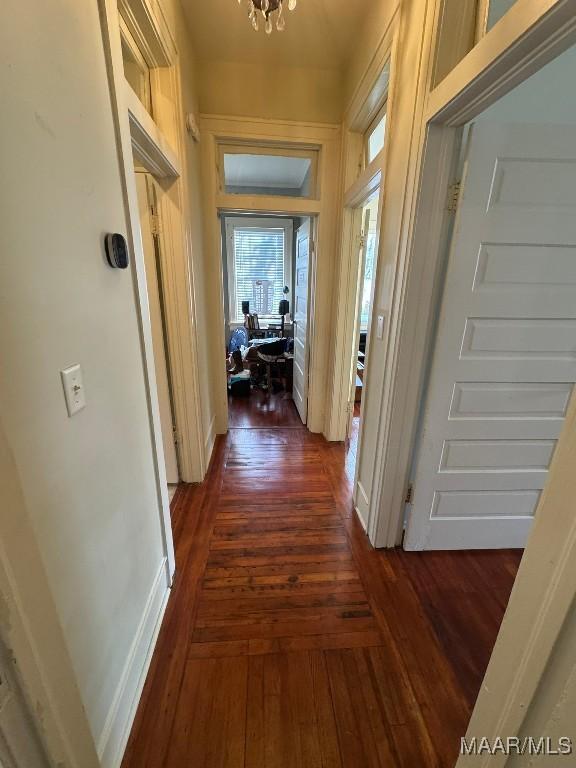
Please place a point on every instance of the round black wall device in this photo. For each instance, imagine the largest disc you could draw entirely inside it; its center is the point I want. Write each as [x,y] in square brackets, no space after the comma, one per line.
[116,250]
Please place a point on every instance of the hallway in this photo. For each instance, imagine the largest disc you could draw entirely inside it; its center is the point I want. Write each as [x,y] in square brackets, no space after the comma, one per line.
[288,641]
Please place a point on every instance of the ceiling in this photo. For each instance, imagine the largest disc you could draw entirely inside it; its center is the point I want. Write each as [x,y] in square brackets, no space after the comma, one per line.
[319,33]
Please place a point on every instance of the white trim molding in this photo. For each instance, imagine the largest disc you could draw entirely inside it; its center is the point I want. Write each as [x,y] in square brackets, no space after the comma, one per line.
[147,23]
[542,605]
[149,145]
[375,89]
[210,437]
[114,736]
[527,37]
[33,636]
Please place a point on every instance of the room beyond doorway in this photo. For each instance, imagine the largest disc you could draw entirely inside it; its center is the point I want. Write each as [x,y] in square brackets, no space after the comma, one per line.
[266,267]
[367,249]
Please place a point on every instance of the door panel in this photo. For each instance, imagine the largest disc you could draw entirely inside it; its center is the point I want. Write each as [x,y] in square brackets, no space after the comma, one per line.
[504,360]
[145,193]
[301,316]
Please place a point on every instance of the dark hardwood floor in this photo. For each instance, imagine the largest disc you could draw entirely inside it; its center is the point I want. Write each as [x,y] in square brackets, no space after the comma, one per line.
[288,641]
[262,410]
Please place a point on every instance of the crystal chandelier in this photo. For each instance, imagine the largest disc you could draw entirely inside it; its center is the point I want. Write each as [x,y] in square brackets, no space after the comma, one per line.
[267,8]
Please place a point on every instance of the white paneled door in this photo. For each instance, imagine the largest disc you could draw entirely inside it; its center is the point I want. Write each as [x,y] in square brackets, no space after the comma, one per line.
[148,209]
[301,311]
[504,360]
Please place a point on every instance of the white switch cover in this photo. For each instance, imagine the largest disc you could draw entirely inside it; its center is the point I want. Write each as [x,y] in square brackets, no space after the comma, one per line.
[73,389]
[380,327]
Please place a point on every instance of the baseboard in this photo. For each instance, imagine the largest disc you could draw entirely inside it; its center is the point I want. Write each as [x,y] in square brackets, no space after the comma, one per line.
[209,442]
[361,504]
[116,731]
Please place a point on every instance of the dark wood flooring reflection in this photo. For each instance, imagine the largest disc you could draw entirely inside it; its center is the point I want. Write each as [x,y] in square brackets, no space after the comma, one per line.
[260,409]
[351,448]
[289,642]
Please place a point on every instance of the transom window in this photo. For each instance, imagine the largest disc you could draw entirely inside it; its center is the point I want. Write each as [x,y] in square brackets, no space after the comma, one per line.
[259,263]
[272,171]
[374,136]
[136,70]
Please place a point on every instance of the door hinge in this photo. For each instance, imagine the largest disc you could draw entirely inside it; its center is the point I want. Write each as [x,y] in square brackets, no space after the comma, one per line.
[361,241]
[409,494]
[453,197]
[175,434]
[155,223]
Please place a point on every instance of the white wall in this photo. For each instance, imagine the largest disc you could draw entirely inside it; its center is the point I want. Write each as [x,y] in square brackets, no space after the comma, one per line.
[88,482]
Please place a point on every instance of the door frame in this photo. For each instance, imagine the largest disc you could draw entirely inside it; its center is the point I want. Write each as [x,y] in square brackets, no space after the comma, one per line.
[263,134]
[156,221]
[138,133]
[357,202]
[376,89]
[310,223]
[361,247]
[532,33]
[314,226]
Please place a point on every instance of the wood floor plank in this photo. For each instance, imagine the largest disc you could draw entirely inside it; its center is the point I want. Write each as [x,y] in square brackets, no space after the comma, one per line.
[286,601]
[209,725]
[290,722]
[313,626]
[219,572]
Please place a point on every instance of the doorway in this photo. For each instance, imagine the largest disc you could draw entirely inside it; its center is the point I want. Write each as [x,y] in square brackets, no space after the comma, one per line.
[267,268]
[502,368]
[149,193]
[365,216]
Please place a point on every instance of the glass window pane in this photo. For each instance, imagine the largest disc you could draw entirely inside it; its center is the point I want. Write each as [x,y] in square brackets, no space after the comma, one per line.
[258,269]
[258,174]
[497,9]
[136,71]
[375,143]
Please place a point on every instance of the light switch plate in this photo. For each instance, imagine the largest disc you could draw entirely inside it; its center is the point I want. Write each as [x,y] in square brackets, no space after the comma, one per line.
[380,327]
[73,389]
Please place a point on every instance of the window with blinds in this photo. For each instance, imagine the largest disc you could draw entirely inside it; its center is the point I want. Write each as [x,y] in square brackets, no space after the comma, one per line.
[259,269]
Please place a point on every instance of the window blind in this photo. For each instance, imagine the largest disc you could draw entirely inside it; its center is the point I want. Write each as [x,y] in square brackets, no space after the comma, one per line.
[259,255]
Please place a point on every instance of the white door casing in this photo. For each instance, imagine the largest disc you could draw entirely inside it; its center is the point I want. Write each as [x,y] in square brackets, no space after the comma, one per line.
[363,250]
[301,316]
[146,194]
[20,746]
[504,361]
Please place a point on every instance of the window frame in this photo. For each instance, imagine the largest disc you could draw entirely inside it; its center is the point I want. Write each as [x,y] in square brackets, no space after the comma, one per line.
[276,150]
[232,223]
